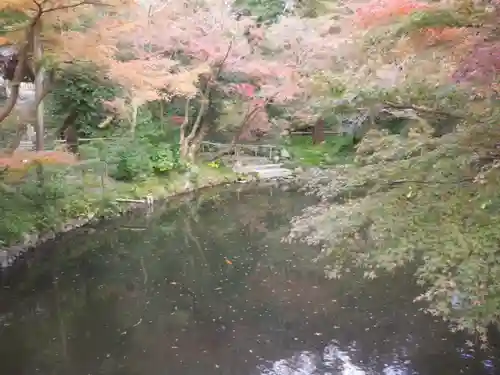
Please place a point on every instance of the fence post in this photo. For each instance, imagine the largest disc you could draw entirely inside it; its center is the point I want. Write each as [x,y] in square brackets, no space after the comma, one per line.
[83,179]
[103,178]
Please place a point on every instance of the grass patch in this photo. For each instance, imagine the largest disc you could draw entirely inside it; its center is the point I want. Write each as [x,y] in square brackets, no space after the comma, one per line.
[335,149]
[67,194]
[175,182]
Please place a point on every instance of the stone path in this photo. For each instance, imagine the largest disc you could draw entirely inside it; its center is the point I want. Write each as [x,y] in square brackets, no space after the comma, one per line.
[255,159]
[261,167]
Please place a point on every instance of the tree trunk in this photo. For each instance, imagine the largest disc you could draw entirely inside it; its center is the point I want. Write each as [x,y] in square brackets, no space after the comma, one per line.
[133,119]
[194,147]
[4,93]
[39,86]
[184,150]
[71,138]
[20,131]
[189,147]
[162,114]
[68,121]
[245,123]
[188,143]
[20,68]
[318,133]
[14,86]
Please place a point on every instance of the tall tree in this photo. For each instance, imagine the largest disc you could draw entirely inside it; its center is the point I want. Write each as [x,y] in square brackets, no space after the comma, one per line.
[161,55]
[32,26]
[424,62]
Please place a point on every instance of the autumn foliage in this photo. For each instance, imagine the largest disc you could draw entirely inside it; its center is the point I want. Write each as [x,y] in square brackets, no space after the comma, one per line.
[25,159]
[379,12]
[14,167]
[386,12]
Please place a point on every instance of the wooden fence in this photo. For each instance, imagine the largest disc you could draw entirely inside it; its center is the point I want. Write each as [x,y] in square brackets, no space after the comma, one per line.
[265,150]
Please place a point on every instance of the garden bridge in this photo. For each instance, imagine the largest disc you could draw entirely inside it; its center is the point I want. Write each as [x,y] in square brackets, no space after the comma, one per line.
[263,160]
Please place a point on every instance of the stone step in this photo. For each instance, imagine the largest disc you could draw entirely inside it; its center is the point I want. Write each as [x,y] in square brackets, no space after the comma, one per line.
[268,166]
[248,160]
[255,168]
[274,173]
[26,146]
[266,171]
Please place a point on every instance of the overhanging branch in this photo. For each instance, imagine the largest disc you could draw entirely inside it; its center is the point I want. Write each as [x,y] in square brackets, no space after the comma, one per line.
[423,109]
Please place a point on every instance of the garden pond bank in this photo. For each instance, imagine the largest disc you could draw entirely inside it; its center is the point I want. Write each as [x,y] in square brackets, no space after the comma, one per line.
[205,285]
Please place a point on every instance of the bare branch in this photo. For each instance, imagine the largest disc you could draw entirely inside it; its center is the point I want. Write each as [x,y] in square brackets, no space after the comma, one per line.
[186,121]
[221,64]
[423,109]
[76,5]
[199,117]
[19,71]
[16,82]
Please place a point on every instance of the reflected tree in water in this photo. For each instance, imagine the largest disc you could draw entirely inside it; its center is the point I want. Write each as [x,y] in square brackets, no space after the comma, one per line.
[146,295]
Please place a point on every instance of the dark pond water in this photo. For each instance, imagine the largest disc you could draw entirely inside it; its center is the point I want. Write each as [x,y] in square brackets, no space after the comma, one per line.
[208,288]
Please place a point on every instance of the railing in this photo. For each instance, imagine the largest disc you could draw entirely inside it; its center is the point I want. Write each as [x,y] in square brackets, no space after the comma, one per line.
[245,149]
[27,86]
[23,87]
[26,146]
[326,132]
[97,170]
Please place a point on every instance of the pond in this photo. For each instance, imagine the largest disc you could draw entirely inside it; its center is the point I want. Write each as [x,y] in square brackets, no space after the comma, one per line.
[207,287]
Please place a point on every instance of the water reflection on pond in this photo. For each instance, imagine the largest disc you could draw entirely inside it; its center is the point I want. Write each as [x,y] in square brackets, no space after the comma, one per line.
[208,288]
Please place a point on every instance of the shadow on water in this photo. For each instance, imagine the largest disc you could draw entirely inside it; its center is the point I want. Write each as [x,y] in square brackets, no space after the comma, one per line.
[208,288]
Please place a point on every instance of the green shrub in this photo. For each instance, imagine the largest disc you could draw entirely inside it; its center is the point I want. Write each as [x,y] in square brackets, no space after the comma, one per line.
[16,219]
[35,205]
[133,164]
[165,158]
[83,89]
[133,160]
[335,149]
[154,130]
[53,188]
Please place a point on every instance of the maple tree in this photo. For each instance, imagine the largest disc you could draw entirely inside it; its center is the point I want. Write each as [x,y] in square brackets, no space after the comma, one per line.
[423,64]
[139,53]
[461,32]
[195,61]
[25,23]
[129,52]
[26,20]
[316,49]
[153,60]
[248,111]
[223,43]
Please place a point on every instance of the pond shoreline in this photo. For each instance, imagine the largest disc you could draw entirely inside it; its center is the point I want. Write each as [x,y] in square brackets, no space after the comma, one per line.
[10,255]
[15,255]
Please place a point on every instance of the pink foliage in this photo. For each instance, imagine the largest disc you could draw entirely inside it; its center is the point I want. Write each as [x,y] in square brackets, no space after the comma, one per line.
[255,119]
[214,40]
[210,34]
[481,65]
[383,11]
[246,90]
[258,122]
